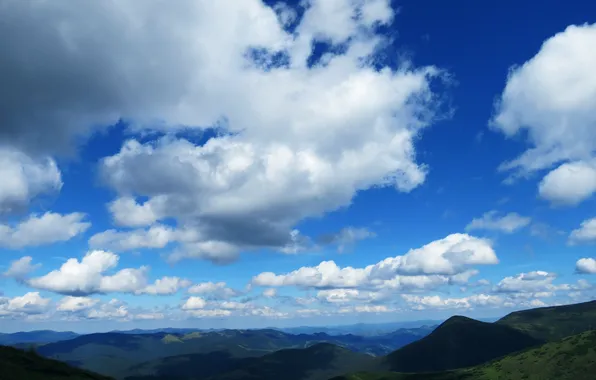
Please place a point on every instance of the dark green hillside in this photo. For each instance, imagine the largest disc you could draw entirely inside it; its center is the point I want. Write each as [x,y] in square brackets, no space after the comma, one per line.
[317,362]
[458,342]
[192,366]
[553,323]
[573,358]
[16,364]
[114,353]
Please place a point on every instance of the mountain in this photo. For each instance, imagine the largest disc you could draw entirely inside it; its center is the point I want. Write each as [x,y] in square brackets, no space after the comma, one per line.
[367,329]
[553,323]
[113,353]
[17,364]
[317,362]
[458,342]
[573,358]
[40,336]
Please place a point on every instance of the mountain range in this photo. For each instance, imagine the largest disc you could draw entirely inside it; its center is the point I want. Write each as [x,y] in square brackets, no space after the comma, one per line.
[545,343]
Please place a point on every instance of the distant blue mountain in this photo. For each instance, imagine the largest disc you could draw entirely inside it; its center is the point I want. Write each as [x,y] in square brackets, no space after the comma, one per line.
[364,329]
[40,336]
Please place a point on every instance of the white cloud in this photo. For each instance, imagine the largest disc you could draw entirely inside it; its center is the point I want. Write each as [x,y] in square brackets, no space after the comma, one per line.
[492,221]
[245,190]
[24,178]
[437,302]
[552,97]
[157,236]
[365,309]
[127,212]
[585,234]
[556,110]
[43,229]
[449,256]
[19,269]
[209,313]
[30,303]
[569,184]
[250,185]
[73,304]
[88,276]
[214,289]
[586,265]
[165,286]
[532,282]
[346,237]
[193,303]
[114,309]
[346,295]
[270,293]
[148,316]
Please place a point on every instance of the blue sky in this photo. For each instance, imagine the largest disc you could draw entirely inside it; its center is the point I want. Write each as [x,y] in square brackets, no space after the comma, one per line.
[424,159]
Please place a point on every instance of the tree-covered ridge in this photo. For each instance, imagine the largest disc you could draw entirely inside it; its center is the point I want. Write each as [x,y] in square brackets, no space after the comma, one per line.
[16,364]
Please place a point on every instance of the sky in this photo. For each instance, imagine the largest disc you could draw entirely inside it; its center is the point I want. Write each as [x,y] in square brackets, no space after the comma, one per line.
[244,164]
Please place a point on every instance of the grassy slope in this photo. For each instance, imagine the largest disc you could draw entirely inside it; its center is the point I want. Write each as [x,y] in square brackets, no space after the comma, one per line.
[553,323]
[458,342]
[16,364]
[573,358]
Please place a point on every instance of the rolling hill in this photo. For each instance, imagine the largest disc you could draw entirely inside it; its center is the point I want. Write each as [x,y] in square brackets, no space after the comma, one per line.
[458,342]
[553,323]
[113,353]
[318,362]
[17,364]
[39,336]
[573,358]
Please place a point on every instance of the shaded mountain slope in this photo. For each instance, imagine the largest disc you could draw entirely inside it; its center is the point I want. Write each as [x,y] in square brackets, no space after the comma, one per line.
[317,362]
[458,342]
[553,323]
[113,353]
[40,336]
[17,364]
[573,358]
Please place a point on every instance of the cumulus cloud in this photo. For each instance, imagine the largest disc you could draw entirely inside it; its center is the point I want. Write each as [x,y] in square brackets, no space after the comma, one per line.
[535,284]
[88,276]
[157,236]
[28,304]
[165,286]
[74,304]
[442,258]
[437,302]
[94,274]
[586,265]
[269,166]
[346,295]
[586,233]
[346,237]
[112,310]
[24,178]
[193,303]
[216,290]
[43,229]
[491,220]
[569,184]
[552,97]
[20,269]
[209,313]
